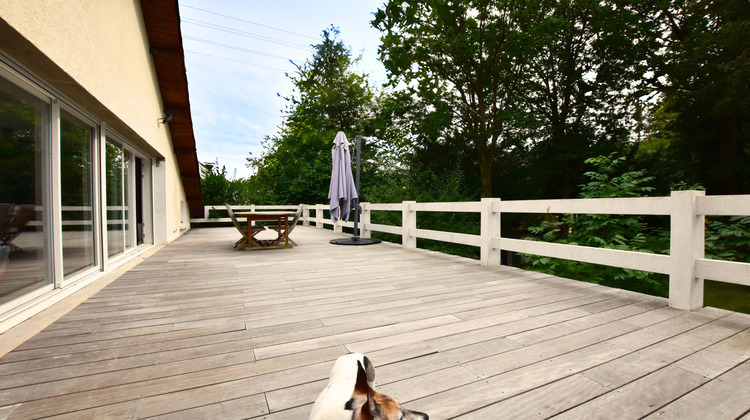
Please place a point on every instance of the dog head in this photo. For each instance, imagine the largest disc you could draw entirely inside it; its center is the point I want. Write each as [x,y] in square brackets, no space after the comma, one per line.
[366,404]
[349,395]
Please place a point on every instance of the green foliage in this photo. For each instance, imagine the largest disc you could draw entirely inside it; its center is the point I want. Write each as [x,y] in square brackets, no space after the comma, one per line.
[519,96]
[606,183]
[577,91]
[546,80]
[726,238]
[218,189]
[20,148]
[476,73]
[728,241]
[295,166]
[624,232]
[701,72]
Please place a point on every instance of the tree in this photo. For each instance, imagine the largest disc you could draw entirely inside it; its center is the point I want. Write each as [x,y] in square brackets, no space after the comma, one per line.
[469,55]
[586,59]
[329,97]
[546,83]
[702,71]
[218,189]
[214,184]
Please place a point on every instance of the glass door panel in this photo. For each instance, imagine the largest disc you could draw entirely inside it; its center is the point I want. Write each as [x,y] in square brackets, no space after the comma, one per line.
[23,119]
[127,200]
[114,205]
[76,185]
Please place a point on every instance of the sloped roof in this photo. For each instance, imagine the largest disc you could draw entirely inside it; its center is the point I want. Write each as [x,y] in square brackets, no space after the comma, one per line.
[162,20]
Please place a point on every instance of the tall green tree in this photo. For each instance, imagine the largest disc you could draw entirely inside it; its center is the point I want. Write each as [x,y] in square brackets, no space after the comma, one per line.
[702,70]
[470,55]
[218,189]
[328,97]
[586,60]
[546,83]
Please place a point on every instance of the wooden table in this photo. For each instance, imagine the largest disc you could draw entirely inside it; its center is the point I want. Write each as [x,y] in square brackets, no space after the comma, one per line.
[281,218]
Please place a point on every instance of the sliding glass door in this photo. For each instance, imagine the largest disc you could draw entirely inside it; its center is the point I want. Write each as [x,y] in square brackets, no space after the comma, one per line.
[127,177]
[77,200]
[74,195]
[24,125]
[115,203]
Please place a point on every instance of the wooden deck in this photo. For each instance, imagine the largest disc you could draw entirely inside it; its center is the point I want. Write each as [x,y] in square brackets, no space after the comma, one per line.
[198,330]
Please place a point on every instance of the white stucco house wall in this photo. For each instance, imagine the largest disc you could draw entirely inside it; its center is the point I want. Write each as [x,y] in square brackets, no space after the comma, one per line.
[97,153]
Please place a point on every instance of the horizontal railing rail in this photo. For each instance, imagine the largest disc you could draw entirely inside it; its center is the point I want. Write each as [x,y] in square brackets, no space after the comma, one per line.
[685,264]
[88,210]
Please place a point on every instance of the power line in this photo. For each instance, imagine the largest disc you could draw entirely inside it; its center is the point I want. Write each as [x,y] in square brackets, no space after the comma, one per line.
[235,31]
[250,22]
[236,61]
[220,44]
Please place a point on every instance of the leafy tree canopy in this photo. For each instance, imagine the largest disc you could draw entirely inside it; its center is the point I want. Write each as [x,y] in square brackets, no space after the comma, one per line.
[701,71]
[328,97]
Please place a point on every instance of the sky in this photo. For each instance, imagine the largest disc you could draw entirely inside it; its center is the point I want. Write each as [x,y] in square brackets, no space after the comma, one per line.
[237,56]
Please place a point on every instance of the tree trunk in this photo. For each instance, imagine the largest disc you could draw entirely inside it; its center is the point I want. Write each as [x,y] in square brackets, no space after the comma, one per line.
[485,171]
[731,149]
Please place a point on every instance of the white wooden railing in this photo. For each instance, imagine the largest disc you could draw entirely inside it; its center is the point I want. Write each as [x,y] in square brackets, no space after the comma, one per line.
[685,264]
[251,207]
[80,222]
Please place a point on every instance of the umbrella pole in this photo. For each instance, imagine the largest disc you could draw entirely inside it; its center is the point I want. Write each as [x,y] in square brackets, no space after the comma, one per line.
[355,239]
[357,207]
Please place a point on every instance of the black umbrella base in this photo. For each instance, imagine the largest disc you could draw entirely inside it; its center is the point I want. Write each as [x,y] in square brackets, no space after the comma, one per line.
[355,240]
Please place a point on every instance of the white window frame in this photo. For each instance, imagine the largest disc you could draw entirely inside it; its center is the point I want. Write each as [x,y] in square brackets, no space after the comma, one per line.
[52,194]
[95,208]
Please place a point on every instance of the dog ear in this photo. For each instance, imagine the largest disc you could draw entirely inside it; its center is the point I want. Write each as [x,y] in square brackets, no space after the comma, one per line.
[369,369]
[360,395]
[362,386]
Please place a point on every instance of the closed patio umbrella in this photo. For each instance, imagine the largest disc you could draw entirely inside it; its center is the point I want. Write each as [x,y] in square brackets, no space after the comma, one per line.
[342,193]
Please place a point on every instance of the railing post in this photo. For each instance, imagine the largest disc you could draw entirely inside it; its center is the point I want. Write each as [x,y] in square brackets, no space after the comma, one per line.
[305,214]
[319,216]
[338,227]
[490,227]
[408,222]
[364,221]
[687,241]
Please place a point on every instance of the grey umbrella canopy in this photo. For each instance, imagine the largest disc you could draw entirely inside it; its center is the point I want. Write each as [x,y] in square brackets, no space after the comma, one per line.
[342,191]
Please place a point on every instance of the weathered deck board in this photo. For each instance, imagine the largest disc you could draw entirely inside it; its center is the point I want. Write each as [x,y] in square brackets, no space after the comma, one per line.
[198,330]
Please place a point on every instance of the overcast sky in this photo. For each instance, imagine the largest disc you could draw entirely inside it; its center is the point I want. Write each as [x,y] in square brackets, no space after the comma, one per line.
[237,54]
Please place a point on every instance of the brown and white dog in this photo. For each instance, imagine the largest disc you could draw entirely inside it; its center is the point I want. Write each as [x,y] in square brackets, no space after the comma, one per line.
[349,395]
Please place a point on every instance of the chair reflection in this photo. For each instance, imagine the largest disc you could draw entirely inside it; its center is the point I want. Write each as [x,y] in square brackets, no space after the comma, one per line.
[13,219]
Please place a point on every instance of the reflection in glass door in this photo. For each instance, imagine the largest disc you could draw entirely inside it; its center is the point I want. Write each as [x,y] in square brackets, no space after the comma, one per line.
[139,225]
[124,189]
[76,139]
[143,206]
[114,184]
[23,122]
[128,198]
[68,201]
